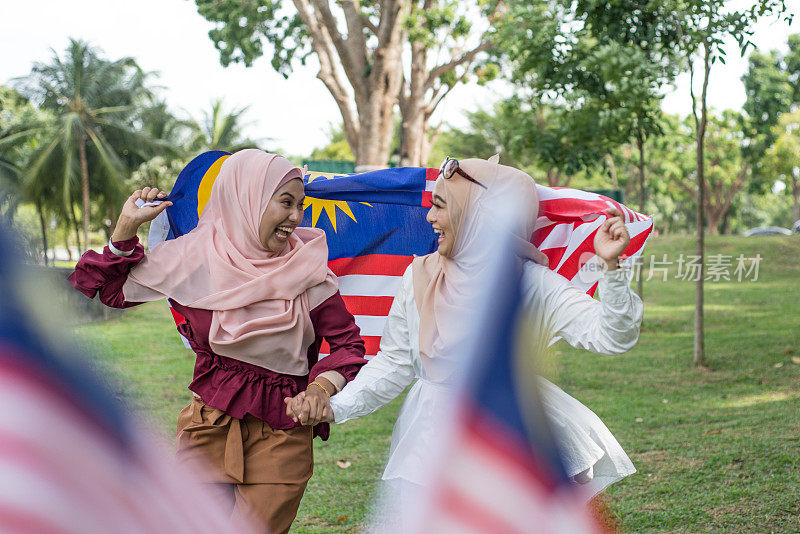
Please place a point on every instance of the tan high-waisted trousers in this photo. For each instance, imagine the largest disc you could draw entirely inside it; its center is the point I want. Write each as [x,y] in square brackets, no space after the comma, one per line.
[258,473]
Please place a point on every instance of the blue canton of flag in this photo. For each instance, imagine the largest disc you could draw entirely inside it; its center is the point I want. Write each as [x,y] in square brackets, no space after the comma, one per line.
[380,212]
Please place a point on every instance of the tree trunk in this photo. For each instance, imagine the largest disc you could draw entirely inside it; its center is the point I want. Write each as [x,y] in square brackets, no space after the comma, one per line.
[424,91]
[377,129]
[376,114]
[725,223]
[713,221]
[85,190]
[66,243]
[412,109]
[554,177]
[796,198]
[112,216]
[700,127]
[612,171]
[373,74]
[44,230]
[642,197]
[428,140]
[75,226]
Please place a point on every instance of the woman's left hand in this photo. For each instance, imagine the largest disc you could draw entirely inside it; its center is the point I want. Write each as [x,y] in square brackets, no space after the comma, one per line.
[611,238]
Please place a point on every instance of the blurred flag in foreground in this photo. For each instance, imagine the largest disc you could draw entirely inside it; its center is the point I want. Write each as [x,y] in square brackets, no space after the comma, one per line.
[375,224]
[72,460]
[498,468]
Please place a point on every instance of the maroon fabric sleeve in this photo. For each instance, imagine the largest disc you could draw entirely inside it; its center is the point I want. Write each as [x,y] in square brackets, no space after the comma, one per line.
[106,273]
[336,324]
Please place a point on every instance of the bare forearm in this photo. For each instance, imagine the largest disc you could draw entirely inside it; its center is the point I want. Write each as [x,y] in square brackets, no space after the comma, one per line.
[124,230]
[326,384]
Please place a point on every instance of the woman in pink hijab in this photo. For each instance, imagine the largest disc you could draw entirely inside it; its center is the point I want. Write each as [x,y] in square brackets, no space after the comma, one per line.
[258,299]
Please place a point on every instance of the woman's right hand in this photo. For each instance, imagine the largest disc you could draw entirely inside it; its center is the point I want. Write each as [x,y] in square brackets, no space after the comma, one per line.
[132,216]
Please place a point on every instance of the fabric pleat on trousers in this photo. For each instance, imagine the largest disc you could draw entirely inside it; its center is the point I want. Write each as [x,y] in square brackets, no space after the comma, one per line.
[257,472]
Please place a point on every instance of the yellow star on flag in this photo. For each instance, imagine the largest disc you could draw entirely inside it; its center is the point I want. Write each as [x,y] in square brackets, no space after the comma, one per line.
[318,205]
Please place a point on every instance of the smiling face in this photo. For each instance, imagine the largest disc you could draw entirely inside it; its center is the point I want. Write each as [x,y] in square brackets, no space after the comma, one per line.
[283,213]
[439,217]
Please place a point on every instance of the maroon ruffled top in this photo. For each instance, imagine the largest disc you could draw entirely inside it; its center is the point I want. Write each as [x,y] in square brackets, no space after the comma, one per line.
[233,386]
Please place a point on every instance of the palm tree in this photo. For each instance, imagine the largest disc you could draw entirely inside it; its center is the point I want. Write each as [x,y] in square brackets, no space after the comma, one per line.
[16,146]
[11,152]
[220,130]
[93,103]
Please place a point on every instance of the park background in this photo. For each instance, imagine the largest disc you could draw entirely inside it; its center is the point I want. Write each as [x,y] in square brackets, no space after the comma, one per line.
[99,98]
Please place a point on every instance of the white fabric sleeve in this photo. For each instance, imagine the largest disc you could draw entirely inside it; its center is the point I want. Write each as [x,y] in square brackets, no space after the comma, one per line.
[118,252]
[386,374]
[608,326]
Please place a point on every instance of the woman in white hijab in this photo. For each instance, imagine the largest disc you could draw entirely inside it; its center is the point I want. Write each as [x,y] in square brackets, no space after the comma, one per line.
[423,327]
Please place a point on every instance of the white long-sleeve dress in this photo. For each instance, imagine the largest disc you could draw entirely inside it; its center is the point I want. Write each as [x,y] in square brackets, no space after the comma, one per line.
[609,325]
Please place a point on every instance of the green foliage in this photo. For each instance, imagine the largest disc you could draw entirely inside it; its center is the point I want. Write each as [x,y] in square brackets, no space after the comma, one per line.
[601,89]
[78,100]
[240,26]
[792,65]
[337,149]
[15,148]
[438,23]
[769,93]
[220,129]
[782,160]
[92,102]
[160,172]
[488,133]
[783,157]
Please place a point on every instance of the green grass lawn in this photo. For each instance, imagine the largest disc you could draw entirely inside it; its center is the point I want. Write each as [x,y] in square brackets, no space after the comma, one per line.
[717,448]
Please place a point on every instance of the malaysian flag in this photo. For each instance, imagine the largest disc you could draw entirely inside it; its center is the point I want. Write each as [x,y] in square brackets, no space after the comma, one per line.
[375,224]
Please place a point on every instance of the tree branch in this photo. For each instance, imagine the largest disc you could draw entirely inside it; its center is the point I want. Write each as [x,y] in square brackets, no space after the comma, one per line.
[687,188]
[348,52]
[355,30]
[349,118]
[329,74]
[735,187]
[446,67]
[435,101]
[369,25]
[390,12]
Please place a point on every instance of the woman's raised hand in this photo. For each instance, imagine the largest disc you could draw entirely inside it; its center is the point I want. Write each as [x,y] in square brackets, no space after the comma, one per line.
[132,216]
[611,238]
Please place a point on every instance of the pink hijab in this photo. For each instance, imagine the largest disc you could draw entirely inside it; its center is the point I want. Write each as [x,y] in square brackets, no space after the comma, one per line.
[260,299]
[442,284]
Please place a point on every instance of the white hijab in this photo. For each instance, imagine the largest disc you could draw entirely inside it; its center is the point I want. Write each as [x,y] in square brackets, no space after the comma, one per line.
[442,285]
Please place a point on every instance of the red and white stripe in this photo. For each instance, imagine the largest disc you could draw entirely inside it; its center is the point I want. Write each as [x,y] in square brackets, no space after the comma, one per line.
[488,484]
[61,472]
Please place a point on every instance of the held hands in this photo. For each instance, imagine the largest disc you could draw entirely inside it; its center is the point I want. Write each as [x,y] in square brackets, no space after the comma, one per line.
[132,216]
[310,407]
[611,238]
